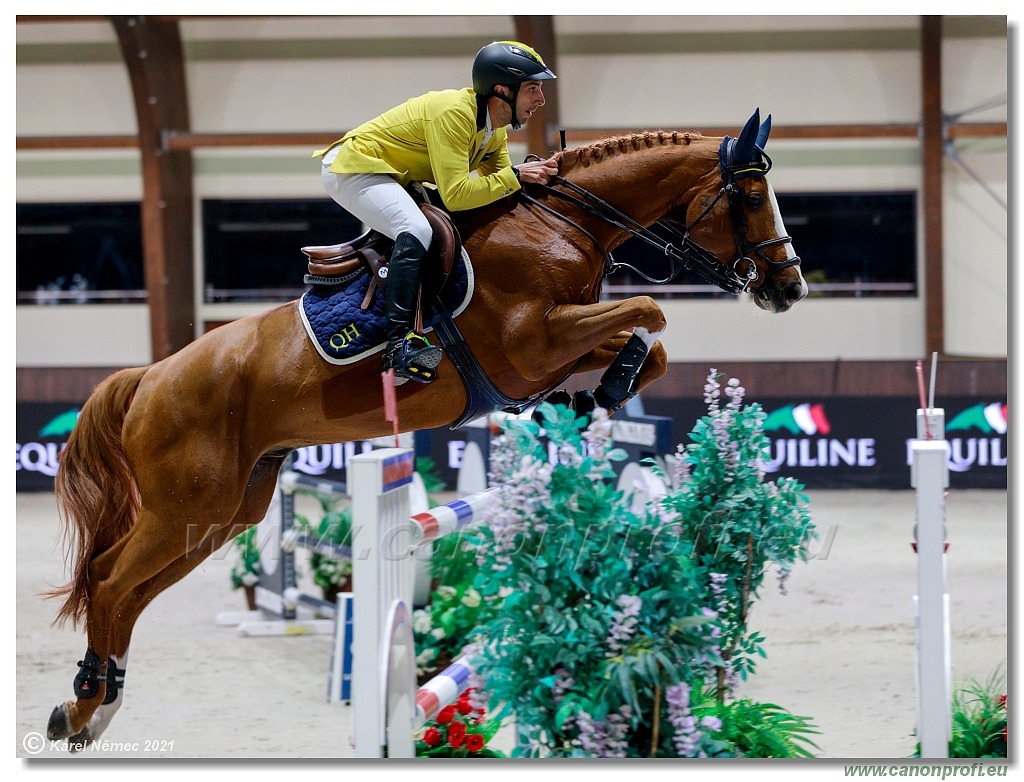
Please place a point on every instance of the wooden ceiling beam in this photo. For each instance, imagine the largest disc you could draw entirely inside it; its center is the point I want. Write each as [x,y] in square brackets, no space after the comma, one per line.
[541,132]
[932,153]
[154,56]
[177,140]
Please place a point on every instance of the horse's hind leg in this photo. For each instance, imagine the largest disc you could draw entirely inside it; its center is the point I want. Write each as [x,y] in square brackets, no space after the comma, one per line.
[149,547]
[127,616]
[85,721]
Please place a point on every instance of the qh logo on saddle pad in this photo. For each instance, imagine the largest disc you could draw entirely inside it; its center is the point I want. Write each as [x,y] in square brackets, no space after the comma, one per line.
[344,334]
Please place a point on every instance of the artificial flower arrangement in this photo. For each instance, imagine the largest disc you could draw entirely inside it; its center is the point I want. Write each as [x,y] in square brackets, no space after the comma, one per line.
[461,730]
[626,634]
[246,569]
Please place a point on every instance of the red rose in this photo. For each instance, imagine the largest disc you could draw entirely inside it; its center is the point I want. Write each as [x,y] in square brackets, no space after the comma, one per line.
[1002,701]
[457,730]
[447,715]
[474,742]
[432,737]
[463,706]
[456,741]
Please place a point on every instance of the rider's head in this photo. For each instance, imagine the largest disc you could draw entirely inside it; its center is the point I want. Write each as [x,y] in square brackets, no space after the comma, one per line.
[507,63]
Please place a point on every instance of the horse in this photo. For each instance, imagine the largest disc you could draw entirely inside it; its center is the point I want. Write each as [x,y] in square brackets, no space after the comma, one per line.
[168,462]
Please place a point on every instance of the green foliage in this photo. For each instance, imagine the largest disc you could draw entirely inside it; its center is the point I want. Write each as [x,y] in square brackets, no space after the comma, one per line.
[455,607]
[335,526]
[763,730]
[610,632]
[607,612]
[428,470]
[246,569]
[625,633]
[978,711]
[736,523]
[328,571]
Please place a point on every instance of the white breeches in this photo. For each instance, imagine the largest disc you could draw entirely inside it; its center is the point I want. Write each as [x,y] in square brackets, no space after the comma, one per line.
[378,200]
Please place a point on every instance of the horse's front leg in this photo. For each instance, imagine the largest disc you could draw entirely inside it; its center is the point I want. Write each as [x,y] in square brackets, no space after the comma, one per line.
[590,332]
[631,360]
[565,333]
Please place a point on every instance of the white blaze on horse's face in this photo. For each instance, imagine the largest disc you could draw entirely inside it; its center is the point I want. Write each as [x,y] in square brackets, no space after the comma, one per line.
[780,230]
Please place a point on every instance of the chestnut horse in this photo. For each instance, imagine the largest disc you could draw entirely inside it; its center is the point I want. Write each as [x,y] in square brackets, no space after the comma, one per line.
[169,462]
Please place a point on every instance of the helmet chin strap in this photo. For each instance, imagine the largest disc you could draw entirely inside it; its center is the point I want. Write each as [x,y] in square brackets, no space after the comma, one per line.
[511,101]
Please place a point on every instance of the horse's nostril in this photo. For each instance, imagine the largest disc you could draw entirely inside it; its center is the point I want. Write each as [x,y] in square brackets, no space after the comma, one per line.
[793,291]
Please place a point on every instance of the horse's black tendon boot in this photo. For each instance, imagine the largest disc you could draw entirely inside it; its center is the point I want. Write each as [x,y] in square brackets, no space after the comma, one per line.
[87,682]
[620,381]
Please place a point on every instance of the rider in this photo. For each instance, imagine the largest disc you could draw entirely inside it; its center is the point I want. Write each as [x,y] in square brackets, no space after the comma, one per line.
[438,137]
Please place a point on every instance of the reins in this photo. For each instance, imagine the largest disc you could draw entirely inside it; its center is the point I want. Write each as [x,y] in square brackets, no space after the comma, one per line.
[684,253]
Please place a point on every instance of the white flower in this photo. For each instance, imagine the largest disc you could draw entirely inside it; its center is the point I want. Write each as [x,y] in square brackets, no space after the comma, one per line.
[471,599]
[421,621]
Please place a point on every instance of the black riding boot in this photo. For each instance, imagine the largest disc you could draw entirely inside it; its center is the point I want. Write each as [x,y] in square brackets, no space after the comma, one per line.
[408,353]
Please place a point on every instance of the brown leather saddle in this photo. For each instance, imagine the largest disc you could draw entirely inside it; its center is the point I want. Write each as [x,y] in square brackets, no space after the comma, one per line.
[336,264]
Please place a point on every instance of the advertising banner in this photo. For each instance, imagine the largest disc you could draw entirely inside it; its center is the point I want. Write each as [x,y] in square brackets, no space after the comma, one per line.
[864,442]
[829,443]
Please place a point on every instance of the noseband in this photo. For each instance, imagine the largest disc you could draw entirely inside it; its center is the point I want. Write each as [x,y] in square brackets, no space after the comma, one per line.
[740,275]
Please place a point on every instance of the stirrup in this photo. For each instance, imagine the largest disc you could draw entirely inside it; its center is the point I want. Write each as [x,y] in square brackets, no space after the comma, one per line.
[411,362]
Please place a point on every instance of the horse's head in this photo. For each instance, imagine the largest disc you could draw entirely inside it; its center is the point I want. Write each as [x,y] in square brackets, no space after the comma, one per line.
[736,219]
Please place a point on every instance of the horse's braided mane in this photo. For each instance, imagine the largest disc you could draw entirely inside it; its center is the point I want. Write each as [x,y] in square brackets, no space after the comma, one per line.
[608,148]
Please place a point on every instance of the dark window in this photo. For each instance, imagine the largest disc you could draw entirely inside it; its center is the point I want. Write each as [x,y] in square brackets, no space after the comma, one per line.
[78,253]
[850,244]
[251,248]
[855,244]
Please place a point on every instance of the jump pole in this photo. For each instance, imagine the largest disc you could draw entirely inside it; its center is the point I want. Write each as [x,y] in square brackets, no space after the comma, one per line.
[930,478]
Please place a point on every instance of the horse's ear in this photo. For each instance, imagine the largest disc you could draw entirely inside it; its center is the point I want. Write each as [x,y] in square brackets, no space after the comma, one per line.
[762,134]
[743,151]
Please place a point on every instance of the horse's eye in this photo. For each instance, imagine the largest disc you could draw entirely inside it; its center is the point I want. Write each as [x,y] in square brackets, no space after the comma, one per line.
[755,200]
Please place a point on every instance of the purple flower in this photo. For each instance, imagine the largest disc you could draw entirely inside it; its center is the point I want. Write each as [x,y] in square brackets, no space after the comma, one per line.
[607,738]
[686,738]
[711,391]
[783,578]
[624,622]
[681,468]
[711,723]
[563,683]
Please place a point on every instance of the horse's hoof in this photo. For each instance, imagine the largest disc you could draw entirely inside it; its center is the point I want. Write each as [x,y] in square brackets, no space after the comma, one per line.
[59,724]
[80,741]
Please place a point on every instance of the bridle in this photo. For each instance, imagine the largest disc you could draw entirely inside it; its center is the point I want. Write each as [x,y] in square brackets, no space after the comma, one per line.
[740,275]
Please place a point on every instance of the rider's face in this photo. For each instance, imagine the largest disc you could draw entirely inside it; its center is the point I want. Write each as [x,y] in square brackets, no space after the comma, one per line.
[531,98]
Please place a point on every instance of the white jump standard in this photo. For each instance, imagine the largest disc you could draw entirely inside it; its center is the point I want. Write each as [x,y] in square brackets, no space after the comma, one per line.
[387,706]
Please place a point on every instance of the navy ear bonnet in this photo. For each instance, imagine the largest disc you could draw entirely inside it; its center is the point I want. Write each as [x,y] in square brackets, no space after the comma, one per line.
[745,155]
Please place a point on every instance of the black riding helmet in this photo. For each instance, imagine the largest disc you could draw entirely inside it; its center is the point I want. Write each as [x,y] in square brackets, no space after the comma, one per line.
[510,63]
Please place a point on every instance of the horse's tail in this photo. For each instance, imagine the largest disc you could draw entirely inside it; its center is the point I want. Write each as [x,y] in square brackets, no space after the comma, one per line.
[95,488]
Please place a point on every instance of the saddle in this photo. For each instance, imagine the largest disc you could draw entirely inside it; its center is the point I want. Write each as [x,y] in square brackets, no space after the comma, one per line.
[336,264]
